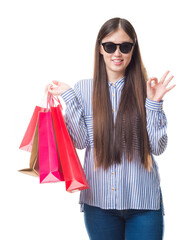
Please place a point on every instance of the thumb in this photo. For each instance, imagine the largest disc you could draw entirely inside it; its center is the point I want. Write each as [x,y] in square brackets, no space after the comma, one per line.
[152,81]
[56,82]
[149,82]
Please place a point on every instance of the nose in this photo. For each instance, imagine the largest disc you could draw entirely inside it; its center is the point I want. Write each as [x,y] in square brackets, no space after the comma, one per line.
[117,52]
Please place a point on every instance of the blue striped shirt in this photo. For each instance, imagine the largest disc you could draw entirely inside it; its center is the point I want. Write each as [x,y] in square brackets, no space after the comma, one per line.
[122,186]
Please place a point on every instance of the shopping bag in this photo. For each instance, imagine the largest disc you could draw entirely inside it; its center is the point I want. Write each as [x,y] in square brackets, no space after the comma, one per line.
[49,166]
[27,140]
[34,161]
[73,172]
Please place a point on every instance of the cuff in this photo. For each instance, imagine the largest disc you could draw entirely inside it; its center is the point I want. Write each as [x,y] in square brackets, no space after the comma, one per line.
[68,95]
[153,105]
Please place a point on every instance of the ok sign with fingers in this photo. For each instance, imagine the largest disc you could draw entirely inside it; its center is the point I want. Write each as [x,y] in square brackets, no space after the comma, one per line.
[156,90]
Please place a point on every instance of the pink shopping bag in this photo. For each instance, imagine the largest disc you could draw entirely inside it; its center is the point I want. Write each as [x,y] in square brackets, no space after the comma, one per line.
[49,166]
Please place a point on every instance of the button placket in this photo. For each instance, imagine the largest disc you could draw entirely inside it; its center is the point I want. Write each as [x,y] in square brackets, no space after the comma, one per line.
[112,179]
[112,187]
[113,100]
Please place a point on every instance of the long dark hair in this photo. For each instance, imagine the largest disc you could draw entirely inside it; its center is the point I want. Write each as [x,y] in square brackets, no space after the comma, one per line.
[129,131]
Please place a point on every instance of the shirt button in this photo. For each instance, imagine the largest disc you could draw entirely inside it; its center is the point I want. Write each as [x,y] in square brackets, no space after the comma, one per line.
[113,189]
[113,110]
[113,95]
[112,173]
[112,84]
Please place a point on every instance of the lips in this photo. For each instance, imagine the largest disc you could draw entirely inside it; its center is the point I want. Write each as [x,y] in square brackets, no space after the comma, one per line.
[117,61]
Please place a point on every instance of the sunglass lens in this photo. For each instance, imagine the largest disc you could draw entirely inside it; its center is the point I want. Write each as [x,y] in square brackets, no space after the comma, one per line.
[125,47]
[110,47]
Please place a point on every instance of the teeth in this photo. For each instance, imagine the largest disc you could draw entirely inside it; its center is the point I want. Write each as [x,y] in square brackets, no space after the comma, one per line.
[117,60]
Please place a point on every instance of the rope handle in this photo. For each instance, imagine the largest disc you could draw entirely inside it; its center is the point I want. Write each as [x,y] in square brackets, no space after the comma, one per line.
[52,101]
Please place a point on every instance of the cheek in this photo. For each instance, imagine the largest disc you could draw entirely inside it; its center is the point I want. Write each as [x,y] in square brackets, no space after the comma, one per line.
[128,59]
[106,58]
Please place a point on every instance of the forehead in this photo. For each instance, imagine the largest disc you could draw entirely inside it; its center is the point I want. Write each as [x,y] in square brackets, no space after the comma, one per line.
[117,36]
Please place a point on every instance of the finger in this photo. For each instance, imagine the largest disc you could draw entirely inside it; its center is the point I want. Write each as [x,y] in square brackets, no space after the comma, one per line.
[170,88]
[164,76]
[168,81]
[152,81]
[53,92]
[149,83]
[153,78]
[49,86]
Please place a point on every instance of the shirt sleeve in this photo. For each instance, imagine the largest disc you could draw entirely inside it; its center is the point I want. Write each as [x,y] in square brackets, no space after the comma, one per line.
[74,117]
[156,126]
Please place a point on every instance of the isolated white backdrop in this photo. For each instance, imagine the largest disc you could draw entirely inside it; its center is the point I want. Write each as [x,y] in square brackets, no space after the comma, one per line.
[45,40]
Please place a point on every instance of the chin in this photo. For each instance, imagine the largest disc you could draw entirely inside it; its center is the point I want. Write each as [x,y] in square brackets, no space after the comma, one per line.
[118,70]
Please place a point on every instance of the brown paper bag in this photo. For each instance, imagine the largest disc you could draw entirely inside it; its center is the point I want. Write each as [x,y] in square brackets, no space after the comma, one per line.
[33,169]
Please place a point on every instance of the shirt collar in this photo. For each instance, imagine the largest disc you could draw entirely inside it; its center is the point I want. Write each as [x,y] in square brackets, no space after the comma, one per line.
[117,84]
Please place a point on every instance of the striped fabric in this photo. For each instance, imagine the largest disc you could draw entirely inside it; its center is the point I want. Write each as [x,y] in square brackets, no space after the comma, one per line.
[122,186]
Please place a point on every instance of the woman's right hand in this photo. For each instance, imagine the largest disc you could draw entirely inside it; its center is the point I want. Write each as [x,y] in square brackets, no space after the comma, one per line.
[58,88]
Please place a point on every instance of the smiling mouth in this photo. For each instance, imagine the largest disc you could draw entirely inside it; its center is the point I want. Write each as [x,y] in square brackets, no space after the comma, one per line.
[117,60]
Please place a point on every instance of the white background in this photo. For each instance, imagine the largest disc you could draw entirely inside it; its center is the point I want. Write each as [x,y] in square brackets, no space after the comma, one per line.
[45,40]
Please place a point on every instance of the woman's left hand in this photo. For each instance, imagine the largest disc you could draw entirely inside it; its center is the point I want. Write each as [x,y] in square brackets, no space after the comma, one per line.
[156,90]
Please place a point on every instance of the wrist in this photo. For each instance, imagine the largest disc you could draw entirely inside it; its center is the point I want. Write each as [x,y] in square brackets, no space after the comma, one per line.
[154,105]
[155,99]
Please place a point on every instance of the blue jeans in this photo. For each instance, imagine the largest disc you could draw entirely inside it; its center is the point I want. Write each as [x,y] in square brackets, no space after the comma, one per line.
[128,224]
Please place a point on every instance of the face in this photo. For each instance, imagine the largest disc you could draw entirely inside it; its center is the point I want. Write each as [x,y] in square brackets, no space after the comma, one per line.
[117,62]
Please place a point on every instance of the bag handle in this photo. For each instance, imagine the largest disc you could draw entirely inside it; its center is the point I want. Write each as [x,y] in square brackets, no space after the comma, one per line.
[52,100]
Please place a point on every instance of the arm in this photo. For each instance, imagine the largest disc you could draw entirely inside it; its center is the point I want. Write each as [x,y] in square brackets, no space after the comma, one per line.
[74,114]
[156,119]
[156,126]
[74,117]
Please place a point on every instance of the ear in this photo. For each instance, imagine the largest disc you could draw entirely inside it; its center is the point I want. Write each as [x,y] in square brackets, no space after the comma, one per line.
[101,49]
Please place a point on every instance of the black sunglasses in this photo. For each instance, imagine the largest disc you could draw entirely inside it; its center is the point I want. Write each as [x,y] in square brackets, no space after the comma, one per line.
[111,47]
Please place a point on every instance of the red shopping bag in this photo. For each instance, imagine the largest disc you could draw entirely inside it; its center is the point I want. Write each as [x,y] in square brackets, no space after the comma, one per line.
[73,172]
[27,141]
[49,166]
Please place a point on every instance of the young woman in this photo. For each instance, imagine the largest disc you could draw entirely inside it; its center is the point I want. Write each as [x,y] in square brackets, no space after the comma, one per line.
[118,117]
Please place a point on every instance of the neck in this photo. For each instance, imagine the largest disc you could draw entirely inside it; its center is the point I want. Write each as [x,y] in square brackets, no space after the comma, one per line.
[114,77]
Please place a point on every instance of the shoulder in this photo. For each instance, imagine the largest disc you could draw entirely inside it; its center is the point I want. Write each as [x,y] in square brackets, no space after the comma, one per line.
[83,89]
[84,85]
[84,82]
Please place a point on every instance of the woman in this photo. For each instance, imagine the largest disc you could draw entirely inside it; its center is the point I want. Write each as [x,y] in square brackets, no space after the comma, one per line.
[117,116]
